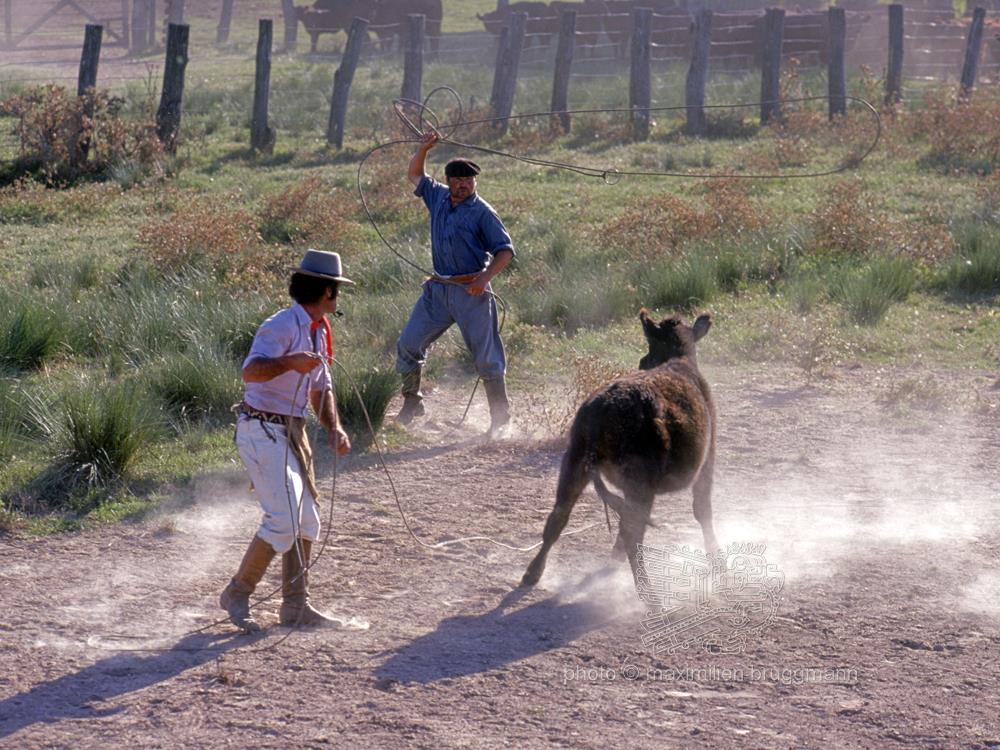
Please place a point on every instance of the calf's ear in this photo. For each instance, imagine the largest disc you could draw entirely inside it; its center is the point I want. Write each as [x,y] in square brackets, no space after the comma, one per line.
[701,326]
[648,326]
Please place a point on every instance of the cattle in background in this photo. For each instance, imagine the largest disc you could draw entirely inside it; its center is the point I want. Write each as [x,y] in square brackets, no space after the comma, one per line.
[589,20]
[390,20]
[649,432]
[618,22]
[331,16]
[541,24]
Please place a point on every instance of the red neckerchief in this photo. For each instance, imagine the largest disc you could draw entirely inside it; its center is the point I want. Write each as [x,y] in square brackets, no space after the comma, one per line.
[327,333]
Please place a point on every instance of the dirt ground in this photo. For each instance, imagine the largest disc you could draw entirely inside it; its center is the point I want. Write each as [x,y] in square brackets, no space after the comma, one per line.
[874,491]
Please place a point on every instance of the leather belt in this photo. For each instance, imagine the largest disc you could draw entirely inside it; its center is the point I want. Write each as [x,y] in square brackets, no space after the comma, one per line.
[460,279]
[264,416]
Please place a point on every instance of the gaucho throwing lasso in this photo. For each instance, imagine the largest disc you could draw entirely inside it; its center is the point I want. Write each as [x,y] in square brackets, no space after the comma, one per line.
[469,247]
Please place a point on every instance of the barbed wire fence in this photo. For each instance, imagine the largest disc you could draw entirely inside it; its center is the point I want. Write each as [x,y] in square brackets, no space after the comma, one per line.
[939,48]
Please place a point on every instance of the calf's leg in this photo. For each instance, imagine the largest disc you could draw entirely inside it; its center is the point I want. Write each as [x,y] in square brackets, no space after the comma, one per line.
[639,500]
[573,477]
[702,491]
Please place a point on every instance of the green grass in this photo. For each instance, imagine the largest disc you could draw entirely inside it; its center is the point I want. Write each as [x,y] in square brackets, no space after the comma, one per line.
[364,388]
[976,268]
[199,384]
[97,309]
[868,293]
[105,432]
[683,284]
[32,334]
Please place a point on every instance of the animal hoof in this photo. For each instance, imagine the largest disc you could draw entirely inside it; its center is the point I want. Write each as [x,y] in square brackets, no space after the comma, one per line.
[528,580]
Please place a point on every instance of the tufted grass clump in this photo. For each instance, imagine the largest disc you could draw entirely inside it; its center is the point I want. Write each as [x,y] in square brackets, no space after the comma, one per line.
[30,335]
[10,424]
[375,386]
[976,267]
[199,385]
[105,431]
[584,297]
[683,284]
[867,295]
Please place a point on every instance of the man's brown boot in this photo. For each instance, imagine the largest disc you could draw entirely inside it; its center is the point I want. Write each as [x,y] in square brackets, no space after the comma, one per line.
[235,599]
[413,399]
[496,395]
[295,608]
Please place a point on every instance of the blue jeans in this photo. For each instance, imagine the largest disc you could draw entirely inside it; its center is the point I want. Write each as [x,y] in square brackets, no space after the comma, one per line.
[439,306]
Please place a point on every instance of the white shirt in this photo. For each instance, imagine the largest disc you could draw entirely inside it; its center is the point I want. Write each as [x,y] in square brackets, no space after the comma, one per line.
[287,332]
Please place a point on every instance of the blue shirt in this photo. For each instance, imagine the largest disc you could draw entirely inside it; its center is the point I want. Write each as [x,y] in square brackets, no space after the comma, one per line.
[464,238]
[287,332]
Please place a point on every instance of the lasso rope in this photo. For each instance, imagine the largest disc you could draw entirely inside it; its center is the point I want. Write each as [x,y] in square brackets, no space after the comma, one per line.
[608,175]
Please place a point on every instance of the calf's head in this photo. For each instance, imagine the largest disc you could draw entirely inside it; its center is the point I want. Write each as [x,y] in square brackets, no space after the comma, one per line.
[670,338]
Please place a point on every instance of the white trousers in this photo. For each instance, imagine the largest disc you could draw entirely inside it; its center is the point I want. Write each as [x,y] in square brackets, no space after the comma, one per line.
[289,508]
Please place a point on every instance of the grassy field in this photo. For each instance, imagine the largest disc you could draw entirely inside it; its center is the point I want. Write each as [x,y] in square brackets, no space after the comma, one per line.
[132,290]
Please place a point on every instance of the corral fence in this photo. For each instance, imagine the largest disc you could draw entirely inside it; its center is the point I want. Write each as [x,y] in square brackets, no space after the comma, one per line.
[576,46]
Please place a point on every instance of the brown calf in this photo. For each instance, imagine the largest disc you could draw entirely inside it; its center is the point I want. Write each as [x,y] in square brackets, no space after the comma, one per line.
[649,432]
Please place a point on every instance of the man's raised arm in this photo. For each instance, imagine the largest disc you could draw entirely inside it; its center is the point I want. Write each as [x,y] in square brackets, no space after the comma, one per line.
[416,171]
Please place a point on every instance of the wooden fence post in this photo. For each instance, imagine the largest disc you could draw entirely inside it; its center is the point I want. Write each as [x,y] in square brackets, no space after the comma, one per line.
[770,71]
[694,90]
[894,74]
[168,116]
[640,87]
[262,137]
[836,76]
[8,23]
[498,64]
[291,24]
[87,81]
[973,46]
[505,78]
[150,24]
[225,22]
[89,58]
[126,23]
[140,23]
[342,80]
[413,60]
[564,64]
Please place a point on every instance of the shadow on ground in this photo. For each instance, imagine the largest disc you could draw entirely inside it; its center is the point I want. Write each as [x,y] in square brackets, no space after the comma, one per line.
[79,695]
[472,644]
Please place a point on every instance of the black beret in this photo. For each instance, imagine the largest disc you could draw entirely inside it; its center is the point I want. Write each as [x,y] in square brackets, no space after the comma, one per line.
[461,168]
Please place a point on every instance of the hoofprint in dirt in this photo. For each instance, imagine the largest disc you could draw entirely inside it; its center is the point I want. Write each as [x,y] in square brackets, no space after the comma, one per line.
[880,513]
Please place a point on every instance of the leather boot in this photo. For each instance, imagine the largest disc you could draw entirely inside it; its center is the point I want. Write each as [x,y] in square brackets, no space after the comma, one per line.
[413,399]
[496,395]
[235,599]
[295,608]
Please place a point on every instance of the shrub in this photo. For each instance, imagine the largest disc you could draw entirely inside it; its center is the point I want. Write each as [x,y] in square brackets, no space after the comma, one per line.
[963,135]
[32,335]
[387,192]
[662,223]
[64,137]
[105,432]
[374,386]
[308,212]
[206,235]
[847,221]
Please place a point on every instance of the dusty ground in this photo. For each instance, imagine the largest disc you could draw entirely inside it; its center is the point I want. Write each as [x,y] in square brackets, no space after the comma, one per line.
[880,511]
